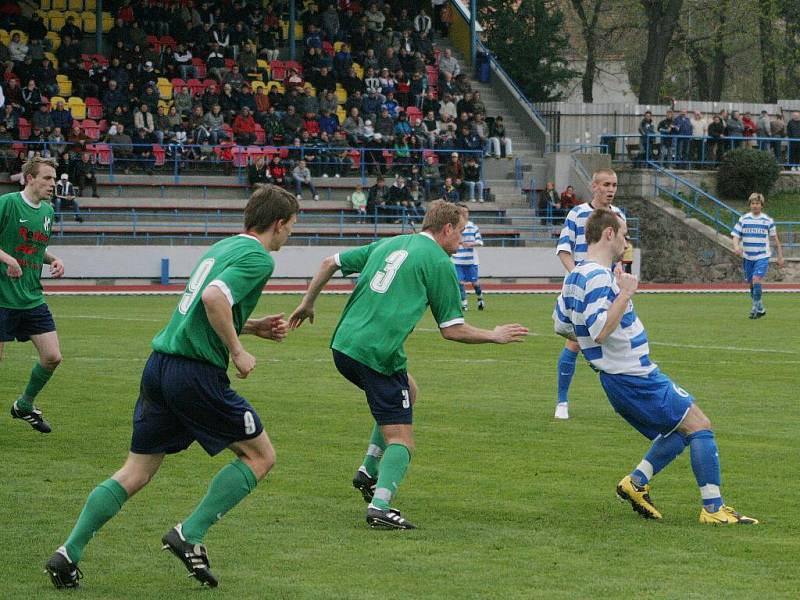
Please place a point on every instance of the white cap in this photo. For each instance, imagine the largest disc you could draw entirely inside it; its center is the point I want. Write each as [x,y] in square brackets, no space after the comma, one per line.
[64,176]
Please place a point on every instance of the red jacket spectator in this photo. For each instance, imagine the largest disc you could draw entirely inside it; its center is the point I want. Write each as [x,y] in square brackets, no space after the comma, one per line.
[568,198]
[244,123]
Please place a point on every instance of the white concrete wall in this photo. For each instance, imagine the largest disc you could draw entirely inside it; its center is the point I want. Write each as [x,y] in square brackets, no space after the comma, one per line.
[292,262]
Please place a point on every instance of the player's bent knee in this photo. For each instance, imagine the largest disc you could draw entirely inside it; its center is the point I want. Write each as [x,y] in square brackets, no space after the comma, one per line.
[51,361]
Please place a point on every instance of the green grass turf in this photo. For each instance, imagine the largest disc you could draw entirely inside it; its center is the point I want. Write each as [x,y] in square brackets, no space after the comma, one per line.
[510,503]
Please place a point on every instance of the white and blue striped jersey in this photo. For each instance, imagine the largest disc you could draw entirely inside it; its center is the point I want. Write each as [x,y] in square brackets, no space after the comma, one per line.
[468,256]
[754,233]
[582,309]
[573,234]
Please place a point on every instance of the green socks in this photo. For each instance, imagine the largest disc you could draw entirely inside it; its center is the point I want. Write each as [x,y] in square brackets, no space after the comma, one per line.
[103,503]
[393,468]
[374,452]
[229,487]
[39,377]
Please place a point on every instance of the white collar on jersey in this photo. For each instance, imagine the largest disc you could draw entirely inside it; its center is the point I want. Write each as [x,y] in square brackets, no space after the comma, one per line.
[29,202]
[247,235]
[427,235]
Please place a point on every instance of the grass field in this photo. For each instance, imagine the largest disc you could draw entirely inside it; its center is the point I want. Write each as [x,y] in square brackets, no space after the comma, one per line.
[510,504]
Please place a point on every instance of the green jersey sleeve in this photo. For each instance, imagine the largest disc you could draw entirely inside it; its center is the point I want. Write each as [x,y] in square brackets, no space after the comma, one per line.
[240,278]
[4,204]
[444,297]
[353,261]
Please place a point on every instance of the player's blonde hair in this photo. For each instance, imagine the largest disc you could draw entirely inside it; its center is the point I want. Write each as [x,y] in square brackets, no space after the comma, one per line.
[756,196]
[33,165]
[596,175]
[439,214]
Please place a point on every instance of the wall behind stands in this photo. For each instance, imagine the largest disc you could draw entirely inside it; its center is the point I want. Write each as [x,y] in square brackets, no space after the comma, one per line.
[292,262]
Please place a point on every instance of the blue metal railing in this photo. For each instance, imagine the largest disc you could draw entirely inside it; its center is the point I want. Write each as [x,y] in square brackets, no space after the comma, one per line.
[687,152]
[576,148]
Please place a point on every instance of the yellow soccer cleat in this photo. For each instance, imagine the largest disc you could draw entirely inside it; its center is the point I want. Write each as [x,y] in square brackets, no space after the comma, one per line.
[725,516]
[639,498]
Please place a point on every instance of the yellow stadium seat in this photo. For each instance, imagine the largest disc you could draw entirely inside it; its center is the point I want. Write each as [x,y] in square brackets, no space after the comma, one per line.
[257,84]
[89,4]
[278,86]
[341,96]
[5,38]
[338,46]
[77,108]
[359,70]
[298,30]
[77,20]
[76,5]
[44,4]
[341,114]
[262,64]
[108,22]
[164,88]
[55,100]
[56,23]
[55,40]
[23,37]
[53,59]
[64,85]
[89,22]
[58,4]
[165,103]
[285,29]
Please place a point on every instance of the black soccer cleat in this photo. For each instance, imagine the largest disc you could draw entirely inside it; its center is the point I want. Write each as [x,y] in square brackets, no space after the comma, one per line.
[481,305]
[193,556]
[760,313]
[365,484]
[33,418]
[387,519]
[62,571]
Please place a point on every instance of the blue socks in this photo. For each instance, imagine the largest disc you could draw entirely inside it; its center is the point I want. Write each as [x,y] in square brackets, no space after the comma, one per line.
[705,464]
[663,451]
[463,291]
[756,292]
[478,291]
[566,370]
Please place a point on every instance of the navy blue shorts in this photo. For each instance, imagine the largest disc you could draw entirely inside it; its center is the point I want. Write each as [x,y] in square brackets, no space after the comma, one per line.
[467,273]
[654,405]
[21,324]
[182,400]
[388,396]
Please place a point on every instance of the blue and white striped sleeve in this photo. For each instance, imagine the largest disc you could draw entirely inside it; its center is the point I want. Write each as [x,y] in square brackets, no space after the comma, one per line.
[771,229]
[566,241]
[478,239]
[737,229]
[561,322]
[599,296]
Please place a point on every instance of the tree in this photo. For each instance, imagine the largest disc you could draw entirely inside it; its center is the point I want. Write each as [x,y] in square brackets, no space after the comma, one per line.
[662,18]
[769,72]
[526,38]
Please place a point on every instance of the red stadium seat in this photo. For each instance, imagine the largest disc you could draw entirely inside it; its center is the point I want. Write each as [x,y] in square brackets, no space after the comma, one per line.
[91,129]
[24,128]
[160,155]
[177,83]
[200,66]
[168,41]
[261,136]
[278,70]
[103,154]
[196,86]
[94,108]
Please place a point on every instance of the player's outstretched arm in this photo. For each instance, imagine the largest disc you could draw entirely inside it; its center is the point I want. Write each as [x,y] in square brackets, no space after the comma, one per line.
[271,327]
[305,309]
[220,317]
[502,334]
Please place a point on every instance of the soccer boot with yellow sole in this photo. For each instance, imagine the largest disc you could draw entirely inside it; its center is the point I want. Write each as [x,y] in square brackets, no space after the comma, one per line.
[725,516]
[639,498]
[193,556]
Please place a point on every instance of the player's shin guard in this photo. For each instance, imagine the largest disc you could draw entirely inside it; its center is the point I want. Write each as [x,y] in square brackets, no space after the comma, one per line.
[228,487]
[566,370]
[663,451]
[478,291]
[705,464]
[757,294]
[39,377]
[393,468]
[103,503]
[374,452]
[463,292]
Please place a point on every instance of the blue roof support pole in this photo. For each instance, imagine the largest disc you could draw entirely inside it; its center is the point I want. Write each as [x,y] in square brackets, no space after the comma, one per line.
[292,21]
[98,22]
[473,36]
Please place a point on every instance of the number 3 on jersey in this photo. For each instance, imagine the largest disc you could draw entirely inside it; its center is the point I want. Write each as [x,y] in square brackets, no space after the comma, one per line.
[383,278]
[194,285]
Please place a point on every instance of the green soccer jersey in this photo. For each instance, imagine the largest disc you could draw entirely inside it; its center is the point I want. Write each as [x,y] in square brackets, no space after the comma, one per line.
[24,233]
[400,278]
[239,266]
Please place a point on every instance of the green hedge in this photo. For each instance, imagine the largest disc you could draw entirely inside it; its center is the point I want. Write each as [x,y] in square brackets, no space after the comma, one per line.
[744,171]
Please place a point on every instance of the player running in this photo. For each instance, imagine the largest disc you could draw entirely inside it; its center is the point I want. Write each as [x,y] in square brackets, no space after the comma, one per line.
[750,238]
[466,261]
[399,278]
[25,224]
[571,250]
[185,393]
[595,310]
